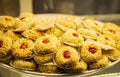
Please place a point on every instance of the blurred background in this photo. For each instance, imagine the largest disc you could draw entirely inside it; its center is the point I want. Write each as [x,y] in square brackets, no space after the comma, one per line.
[79,7]
[104,10]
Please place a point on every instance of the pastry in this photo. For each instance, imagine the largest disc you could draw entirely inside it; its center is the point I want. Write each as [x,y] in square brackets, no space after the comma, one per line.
[55,31]
[24,21]
[22,48]
[43,25]
[7,22]
[102,63]
[90,51]
[23,64]
[105,39]
[13,35]
[49,68]
[26,17]
[66,22]
[78,68]
[5,45]
[6,59]
[41,59]
[72,38]
[87,33]
[89,23]
[112,30]
[47,44]
[112,54]
[31,34]
[66,57]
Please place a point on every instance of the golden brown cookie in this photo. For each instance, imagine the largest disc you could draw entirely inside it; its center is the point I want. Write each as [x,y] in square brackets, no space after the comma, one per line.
[90,52]
[78,68]
[112,54]
[72,38]
[31,34]
[112,30]
[5,45]
[107,40]
[22,48]
[48,68]
[41,59]
[13,35]
[102,63]
[7,22]
[47,44]
[66,57]
[66,22]
[23,64]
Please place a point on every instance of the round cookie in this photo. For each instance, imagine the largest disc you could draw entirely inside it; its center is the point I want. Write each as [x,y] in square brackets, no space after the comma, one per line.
[89,23]
[31,34]
[47,44]
[66,22]
[78,68]
[112,30]
[24,21]
[5,45]
[105,39]
[102,63]
[26,17]
[49,68]
[23,64]
[90,52]
[7,22]
[41,59]
[87,33]
[66,57]
[72,38]
[14,36]
[55,31]
[112,54]
[43,25]
[6,59]
[22,48]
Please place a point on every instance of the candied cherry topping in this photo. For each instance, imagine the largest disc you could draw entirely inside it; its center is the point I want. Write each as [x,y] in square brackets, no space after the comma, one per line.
[1,43]
[45,41]
[23,46]
[7,19]
[106,38]
[75,34]
[92,50]
[67,54]
[22,18]
[112,31]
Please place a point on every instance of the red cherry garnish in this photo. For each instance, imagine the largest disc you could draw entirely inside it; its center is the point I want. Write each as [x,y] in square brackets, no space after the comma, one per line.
[75,35]
[112,31]
[23,46]
[22,18]
[1,43]
[45,41]
[6,19]
[106,38]
[67,54]
[92,50]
